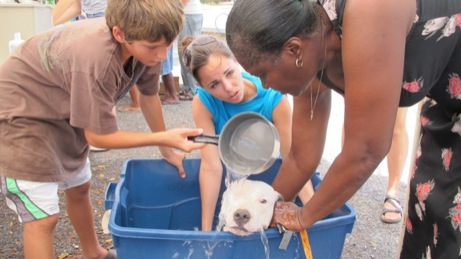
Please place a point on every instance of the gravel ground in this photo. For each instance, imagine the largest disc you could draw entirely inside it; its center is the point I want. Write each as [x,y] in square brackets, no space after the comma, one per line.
[369,238]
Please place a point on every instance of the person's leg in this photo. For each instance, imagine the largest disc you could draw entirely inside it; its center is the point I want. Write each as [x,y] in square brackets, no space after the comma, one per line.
[134,105]
[396,162]
[171,96]
[432,225]
[38,238]
[306,192]
[37,205]
[192,27]
[80,214]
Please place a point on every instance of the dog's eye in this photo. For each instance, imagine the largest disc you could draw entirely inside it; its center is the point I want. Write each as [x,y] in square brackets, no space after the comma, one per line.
[263,201]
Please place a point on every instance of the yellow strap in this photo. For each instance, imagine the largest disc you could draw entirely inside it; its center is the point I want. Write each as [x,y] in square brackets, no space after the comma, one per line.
[306,244]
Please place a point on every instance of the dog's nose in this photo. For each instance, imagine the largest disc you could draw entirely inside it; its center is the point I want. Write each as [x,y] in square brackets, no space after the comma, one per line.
[241,216]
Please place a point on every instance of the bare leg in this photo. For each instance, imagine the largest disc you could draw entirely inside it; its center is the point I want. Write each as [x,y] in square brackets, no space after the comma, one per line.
[80,214]
[38,238]
[306,192]
[171,96]
[134,105]
[396,160]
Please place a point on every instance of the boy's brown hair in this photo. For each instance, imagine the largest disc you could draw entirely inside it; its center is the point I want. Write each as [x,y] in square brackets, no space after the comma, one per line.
[146,19]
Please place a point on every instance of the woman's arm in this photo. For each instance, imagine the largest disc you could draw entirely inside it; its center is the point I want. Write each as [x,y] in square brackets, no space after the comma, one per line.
[308,140]
[373,44]
[210,173]
[65,10]
[282,117]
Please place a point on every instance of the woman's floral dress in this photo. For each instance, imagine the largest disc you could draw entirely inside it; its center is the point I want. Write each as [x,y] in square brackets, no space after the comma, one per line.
[433,70]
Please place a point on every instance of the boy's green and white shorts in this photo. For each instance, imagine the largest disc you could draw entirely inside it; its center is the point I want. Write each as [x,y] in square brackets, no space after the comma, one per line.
[36,200]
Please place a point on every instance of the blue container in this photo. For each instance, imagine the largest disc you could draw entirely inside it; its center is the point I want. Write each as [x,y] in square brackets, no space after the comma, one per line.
[156,214]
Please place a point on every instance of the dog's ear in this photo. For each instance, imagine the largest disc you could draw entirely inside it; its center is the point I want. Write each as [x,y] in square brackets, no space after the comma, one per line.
[280,197]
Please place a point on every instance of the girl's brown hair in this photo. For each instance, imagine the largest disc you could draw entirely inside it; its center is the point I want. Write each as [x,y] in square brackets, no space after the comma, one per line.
[196,51]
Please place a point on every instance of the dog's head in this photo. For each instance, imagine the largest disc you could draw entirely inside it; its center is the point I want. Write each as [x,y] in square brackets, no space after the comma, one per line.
[247,207]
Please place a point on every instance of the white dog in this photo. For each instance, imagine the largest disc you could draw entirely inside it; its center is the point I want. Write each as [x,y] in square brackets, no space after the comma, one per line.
[247,207]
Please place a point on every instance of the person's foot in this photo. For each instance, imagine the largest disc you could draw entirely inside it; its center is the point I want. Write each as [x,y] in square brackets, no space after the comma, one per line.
[97,149]
[392,210]
[164,96]
[111,254]
[129,108]
[186,96]
[170,100]
[107,254]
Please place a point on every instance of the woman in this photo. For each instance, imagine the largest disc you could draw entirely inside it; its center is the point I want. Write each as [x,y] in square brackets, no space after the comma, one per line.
[376,53]
[226,91]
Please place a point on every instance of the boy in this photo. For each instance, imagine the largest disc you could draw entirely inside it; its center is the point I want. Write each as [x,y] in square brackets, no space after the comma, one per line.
[59,91]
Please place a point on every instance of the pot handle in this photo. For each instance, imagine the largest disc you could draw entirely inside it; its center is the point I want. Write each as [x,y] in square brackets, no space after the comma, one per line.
[209,139]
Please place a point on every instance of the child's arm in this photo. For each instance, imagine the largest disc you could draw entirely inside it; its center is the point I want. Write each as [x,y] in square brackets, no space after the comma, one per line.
[65,10]
[151,107]
[166,140]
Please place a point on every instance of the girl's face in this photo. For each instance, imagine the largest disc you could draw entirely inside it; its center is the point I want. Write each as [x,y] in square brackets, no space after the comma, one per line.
[222,79]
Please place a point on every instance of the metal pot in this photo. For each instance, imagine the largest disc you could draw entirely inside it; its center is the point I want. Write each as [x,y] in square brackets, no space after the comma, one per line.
[248,143]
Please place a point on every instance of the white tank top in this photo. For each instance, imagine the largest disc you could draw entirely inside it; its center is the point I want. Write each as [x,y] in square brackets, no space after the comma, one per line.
[94,6]
[193,7]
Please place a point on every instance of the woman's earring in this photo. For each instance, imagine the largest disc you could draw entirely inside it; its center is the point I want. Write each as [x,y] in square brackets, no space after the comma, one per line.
[299,63]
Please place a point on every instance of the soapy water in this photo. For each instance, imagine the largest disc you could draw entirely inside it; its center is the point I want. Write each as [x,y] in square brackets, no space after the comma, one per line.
[265,242]
[207,246]
[232,176]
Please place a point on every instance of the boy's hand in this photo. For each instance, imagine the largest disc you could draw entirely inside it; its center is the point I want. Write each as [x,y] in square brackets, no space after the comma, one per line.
[177,138]
[288,215]
[175,158]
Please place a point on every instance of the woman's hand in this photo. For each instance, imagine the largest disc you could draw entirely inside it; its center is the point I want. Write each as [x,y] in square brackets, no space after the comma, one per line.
[288,215]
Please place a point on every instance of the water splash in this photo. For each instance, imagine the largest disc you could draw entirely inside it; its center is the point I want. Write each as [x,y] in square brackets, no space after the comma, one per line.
[232,176]
[209,247]
[265,242]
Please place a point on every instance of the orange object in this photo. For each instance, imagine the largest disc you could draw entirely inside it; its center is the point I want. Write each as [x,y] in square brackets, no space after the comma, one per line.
[306,244]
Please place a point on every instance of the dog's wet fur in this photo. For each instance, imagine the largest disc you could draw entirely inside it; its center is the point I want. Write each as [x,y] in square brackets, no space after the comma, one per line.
[247,207]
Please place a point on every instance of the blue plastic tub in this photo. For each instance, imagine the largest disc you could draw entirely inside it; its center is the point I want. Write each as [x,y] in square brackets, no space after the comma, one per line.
[156,214]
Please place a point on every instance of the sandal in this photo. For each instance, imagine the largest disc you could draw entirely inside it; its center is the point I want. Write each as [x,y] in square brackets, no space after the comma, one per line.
[112,254]
[185,96]
[395,202]
[165,102]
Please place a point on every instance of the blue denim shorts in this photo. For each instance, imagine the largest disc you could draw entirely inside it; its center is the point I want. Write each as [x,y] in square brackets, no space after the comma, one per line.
[94,15]
[167,64]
